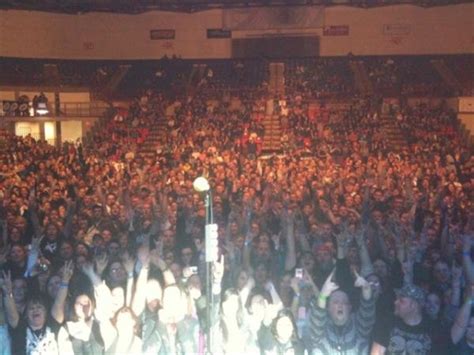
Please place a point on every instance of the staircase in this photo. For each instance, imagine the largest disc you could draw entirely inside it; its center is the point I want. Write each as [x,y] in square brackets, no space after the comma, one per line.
[114,82]
[394,135]
[446,74]
[197,73]
[277,78]
[361,77]
[272,138]
[51,74]
[155,139]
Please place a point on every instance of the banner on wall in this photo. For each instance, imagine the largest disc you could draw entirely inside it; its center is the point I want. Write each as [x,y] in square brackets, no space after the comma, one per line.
[396,29]
[162,34]
[11,108]
[218,33]
[336,30]
[284,17]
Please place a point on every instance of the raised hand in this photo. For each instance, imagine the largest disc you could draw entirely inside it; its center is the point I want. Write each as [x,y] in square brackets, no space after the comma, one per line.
[143,255]
[295,285]
[276,240]
[343,239]
[360,282]
[35,244]
[88,269]
[329,285]
[218,270]
[67,271]
[466,243]
[6,282]
[271,312]
[159,246]
[360,236]
[155,259]
[457,275]
[128,263]
[101,262]
[4,252]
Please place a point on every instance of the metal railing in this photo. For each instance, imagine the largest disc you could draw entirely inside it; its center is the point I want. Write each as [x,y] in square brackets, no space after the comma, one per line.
[67,109]
[82,109]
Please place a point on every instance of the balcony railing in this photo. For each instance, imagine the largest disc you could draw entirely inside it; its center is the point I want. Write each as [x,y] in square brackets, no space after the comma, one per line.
[66,109]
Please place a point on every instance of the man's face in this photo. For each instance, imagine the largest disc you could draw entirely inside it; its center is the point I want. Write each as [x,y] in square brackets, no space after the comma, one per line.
[97,211]
[66,251]
[441,272]
[111,199]
[378,216]
[168,239]
[339,308]
[263,249]
[323,256]
[433,305]
[404,306]
[380,269]
[186,256]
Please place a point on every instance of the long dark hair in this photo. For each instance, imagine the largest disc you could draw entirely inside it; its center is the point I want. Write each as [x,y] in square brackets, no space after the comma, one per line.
[126,309]
[232,292]
[282,314]
[74,317]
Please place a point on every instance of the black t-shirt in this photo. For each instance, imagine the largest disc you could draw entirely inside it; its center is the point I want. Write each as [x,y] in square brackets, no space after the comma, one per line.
[462,348]
[400,338]
[24,339]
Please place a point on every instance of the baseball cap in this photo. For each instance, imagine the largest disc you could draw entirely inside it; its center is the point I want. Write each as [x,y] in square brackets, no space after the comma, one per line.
[412,291]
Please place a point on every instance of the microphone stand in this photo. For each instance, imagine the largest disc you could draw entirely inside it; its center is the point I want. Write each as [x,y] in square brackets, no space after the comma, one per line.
[209,294]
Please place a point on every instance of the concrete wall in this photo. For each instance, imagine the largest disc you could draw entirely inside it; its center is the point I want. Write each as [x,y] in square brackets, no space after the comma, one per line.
[402,29]
[468,120]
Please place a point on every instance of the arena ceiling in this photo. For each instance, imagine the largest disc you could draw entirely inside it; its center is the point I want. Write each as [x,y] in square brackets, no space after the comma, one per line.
[139,6]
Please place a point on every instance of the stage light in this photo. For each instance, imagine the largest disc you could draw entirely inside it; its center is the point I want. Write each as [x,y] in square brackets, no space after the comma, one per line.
[42,108]
[201,184]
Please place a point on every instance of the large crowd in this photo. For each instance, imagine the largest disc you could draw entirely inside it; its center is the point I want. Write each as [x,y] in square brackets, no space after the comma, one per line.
[340,245]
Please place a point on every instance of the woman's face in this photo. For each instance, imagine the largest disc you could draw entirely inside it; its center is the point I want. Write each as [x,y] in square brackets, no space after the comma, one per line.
[36,315]
[117,272]
[374,282]
[169,258]
[230,306]
[17,254]
[19,291]
[284,329]
[242,280]
[15,234]
[176,270]
[53,286]
[83,307]
[257,308]
[174,302]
